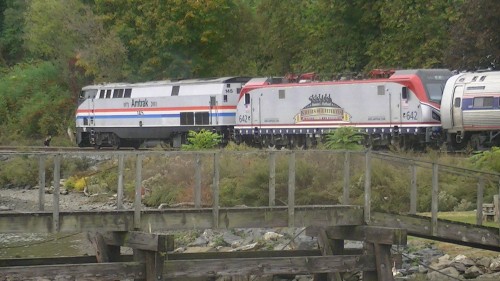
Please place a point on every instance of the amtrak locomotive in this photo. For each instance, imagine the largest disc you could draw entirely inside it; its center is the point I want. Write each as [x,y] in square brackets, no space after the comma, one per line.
[118,115]
[412,108]
[402,108]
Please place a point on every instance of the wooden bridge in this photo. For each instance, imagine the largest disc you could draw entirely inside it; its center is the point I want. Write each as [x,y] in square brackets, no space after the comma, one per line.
[153,258]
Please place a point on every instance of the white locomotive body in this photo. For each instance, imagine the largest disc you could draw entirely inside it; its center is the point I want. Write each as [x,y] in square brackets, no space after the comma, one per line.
[403,108]
[122,114]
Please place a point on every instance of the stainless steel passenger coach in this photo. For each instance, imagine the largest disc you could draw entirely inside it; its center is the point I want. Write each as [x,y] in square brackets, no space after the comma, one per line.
[470,109]
[122,114]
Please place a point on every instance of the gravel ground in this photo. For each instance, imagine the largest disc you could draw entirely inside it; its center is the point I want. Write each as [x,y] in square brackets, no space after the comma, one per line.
[26,200]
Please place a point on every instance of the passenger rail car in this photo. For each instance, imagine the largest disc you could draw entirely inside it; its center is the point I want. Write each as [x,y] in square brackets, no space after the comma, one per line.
[470,110]
[122,114]
[403,108]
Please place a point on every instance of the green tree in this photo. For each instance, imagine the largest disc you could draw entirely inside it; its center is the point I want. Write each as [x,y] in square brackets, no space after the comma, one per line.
[172,38]
[413,34]
[68,33]
[34,102]
[475,41]
[338,35]
[11,31]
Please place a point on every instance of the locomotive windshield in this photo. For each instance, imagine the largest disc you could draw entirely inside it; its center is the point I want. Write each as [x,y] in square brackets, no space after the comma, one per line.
[435,91]
[434,81]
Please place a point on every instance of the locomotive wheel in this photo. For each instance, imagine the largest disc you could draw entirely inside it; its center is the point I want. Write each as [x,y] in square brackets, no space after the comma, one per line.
[116,142]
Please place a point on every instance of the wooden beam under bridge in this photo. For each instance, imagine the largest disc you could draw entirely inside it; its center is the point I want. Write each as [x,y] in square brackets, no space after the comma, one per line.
[180,219]
[153,259]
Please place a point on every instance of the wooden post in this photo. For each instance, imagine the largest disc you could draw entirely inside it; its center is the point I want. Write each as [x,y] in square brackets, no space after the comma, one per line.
[479,203]
[119,202]
[413,189]
[435,198]
[197,186]
[383,262]
[104,252]
[368,249]
[368,191]
[155,261]
[272,179]
[347,178]
[138,192]
[329,247]
[291,189]
[215,204]
[41,183]
[55,203]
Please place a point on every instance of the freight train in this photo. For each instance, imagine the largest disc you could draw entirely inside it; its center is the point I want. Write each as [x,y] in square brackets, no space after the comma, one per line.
[413,108]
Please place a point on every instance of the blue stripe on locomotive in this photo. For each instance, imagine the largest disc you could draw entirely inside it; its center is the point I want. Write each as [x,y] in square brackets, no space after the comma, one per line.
[175,115]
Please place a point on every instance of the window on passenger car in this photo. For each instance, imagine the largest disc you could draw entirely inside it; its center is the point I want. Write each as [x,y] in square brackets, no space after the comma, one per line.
[483,102]
[128,93]
[101,94]
[457,102]
[108,94]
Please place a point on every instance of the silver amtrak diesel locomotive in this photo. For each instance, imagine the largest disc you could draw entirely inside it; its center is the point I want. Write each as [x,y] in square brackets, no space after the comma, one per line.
[470,110]
[403,108]
[120,114]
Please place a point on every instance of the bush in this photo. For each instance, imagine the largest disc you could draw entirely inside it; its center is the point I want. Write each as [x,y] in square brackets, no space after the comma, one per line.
[202,140]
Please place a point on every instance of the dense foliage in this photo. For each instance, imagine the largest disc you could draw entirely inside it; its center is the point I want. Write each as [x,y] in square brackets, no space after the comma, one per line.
[79,42]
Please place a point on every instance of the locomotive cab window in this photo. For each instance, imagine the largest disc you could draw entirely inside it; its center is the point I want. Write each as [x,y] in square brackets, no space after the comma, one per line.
[128,93]
[175,90]
[483,102]
[247,98]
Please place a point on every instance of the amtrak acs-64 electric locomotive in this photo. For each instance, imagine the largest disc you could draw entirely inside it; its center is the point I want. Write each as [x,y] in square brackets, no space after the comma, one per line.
[402,108]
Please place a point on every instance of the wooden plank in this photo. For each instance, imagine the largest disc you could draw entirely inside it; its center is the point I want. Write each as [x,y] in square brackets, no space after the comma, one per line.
[93,271]
[121,165]
[138,192]
[435,198]
[215,191]
[291,190]
[197,178]
[479,203]
[41,183]
[326,247]
[372,234]
[383,262]
[272,179]
[55,204]
[454,232]
[413,189]
[154,266]
[180,219]
[268,266]
[368,186]
[347,178]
